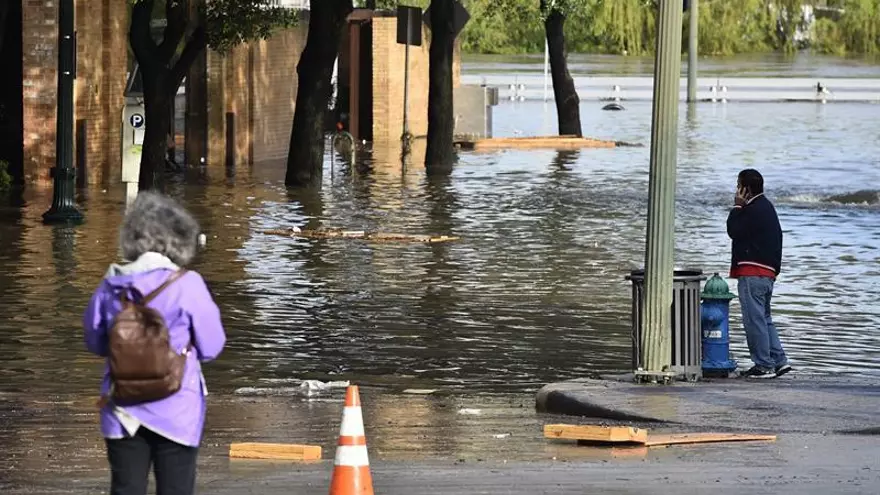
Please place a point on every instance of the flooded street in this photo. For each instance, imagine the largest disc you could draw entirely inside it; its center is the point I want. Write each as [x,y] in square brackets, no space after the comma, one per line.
[534,291]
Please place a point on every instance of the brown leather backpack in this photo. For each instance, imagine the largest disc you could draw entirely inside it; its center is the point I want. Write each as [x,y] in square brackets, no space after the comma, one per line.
[143,365]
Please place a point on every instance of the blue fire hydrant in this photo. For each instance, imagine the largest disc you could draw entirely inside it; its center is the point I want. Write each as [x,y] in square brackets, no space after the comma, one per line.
[715,319]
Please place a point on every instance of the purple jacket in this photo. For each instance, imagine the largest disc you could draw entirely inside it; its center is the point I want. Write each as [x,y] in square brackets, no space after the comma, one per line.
[186,304]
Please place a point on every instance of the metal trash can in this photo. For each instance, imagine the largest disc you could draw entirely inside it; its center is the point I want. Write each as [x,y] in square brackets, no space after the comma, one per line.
[686,333]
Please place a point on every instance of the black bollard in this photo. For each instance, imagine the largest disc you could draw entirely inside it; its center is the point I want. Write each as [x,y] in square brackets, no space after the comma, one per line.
[63,208]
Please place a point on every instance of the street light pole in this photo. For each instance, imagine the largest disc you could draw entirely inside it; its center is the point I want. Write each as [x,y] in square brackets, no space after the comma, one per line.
[659,257]
[63,208]
[693,41]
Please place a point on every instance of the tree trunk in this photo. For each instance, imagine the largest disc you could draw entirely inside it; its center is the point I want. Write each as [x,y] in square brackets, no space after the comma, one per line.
[440,153]
[4,10]
[567,102]
[11,116]
[196,114]
[162,76]
[157,106]
[305,158]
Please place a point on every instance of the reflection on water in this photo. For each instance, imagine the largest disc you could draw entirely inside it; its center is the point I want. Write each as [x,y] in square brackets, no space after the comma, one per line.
[533,292]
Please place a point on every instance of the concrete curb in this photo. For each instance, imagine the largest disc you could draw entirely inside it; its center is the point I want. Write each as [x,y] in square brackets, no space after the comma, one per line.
[802,404]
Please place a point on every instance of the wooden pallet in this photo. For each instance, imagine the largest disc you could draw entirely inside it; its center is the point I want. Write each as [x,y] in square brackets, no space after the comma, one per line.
[619,435]
[599,434]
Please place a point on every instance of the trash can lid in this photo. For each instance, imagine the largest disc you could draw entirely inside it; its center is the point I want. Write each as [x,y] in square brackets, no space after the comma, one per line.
[679,275]
[717,288]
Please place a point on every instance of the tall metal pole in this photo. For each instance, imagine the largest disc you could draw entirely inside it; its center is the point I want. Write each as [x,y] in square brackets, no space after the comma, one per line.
[693,41]
[546,67]
[406,77]
[63,208]
[659,257]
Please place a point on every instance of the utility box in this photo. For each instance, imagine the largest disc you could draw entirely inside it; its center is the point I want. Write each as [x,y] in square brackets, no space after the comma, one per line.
[473,110]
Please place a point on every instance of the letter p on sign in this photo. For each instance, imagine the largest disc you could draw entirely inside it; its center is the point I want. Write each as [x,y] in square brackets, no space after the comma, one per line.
[137,120]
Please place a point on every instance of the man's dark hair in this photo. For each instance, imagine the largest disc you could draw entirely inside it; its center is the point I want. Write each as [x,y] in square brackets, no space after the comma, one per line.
[752,180]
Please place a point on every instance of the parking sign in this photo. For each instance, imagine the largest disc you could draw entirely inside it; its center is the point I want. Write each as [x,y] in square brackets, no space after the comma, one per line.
[137,120]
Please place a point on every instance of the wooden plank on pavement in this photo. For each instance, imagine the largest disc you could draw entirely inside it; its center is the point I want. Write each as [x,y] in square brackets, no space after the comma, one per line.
[694,438]
[275,451]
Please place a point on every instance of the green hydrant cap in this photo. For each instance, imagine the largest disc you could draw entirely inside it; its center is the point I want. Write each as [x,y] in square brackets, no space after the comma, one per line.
[717,288]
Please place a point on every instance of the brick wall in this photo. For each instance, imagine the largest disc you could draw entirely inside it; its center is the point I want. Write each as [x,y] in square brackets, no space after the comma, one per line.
[274,83]
[258,83]
[388,82]
[39,68]
[101,64]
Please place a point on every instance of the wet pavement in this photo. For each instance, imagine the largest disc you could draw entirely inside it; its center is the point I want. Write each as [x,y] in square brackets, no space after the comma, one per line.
[795,464]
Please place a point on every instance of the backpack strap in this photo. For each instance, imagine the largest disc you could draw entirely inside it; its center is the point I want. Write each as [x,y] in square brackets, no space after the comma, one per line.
[124,297]
[173,278]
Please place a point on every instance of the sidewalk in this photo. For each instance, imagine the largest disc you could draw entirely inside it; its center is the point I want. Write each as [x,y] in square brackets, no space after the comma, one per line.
[796,403]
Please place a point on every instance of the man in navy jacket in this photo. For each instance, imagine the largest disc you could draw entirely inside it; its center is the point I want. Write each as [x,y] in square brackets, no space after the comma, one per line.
[757,257]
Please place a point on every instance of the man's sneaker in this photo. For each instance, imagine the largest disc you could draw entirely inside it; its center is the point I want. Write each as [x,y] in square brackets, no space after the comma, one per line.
[781,370]
[756,373]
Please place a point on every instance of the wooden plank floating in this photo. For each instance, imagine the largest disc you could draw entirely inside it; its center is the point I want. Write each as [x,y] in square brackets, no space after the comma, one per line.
[602,434]
[538,142]
[275,451]
[616,435]
[360,234]
[693,438]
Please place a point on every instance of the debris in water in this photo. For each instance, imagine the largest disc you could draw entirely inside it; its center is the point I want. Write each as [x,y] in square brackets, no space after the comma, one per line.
[419,391]
[316,386]
[501,435]
[306,387]
[470,412]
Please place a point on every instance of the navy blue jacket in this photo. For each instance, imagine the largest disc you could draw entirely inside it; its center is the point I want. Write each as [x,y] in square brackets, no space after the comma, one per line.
[756,234]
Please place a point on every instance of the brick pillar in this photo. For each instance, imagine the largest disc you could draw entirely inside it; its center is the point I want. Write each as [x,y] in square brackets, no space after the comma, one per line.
[102,59]
[39,69]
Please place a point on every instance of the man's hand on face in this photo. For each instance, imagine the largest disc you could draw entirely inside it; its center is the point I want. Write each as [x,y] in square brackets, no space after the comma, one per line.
[741,196]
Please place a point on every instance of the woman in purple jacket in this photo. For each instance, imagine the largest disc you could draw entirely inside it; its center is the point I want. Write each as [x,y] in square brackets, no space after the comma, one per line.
[158,237]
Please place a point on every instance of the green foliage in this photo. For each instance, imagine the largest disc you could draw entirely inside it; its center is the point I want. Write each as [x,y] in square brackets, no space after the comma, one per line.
[860,26]
[5,178]
[629,26]
[232,22]
[828,37]
[228,23]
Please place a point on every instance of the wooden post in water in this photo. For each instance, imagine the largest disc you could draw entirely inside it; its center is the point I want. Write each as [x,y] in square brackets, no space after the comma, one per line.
[659,258]
[82,153]
[230,144]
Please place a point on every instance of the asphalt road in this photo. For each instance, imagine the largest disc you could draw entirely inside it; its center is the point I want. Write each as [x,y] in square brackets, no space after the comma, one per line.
[795,464]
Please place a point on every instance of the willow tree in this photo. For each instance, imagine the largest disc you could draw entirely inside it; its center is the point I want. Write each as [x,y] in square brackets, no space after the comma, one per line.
[568,110]
[860,26]
[305,157]
[163,64]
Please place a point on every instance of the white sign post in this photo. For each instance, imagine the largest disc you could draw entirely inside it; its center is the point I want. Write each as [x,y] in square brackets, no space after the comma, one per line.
[134,124]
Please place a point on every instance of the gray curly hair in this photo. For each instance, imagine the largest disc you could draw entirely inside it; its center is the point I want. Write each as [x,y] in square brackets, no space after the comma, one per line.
[159,224]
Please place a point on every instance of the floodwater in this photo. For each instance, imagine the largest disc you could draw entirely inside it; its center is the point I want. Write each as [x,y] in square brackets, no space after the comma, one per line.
[768,65]
[533,292]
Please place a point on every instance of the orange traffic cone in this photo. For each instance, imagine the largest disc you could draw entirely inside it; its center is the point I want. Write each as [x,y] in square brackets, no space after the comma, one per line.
[351,471]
